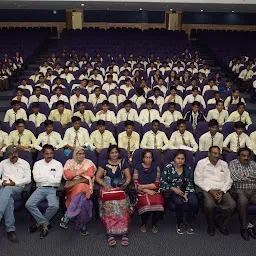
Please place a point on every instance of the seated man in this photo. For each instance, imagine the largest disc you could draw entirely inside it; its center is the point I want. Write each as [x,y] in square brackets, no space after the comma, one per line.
[219,114]
[160,85]
[15,173]
[173,97]
[171,115]
[86,115]
[83,85]
[15,113]
[211,138]
[107,87]
[129,139]
[204,70]
[58,84]
[194,116]
[116,98]
[42,84]
[244,188]
[194,96]
[228,87]
[148,114]
[20,96]
[77,97]
[182,139]
[58,96]
[37,97]
[76,136]
[234,99]
[101,138]
[246,78]
[49,137]
[61,114]
[47,174]
[215,99]
[96,97]
[127,113]
[67,75]
[22,138]
[237,139]
[240,115]
[3,142]
[138,98]
[154,139]
[25,86]
[96,76]
[106,114]
[36,117]
[49,75]
[193,84]
[127,86]
[35,76]
[212,176]
[210,86]
[158,100]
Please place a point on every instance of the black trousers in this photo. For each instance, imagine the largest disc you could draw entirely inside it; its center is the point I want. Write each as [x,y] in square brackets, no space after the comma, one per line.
[156,215]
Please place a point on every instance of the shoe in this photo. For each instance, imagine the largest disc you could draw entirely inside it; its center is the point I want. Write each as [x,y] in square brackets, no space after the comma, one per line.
[189,229]
[143,229]
[252,232]
[223,230]
[155,229]
[44,232]
[181,229]
[63,224]
[33,228]
[84,232]
[12,237]
[244,234]
[211,231]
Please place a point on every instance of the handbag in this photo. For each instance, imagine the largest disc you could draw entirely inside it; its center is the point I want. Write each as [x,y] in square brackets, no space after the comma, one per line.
[71,183]
[114,194]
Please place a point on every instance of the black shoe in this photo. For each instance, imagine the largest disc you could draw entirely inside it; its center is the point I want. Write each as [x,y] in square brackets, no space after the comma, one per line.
[44,232]
[244,234]
[12,237]
[252,232]
[33,228]
[211,231]
[223,230]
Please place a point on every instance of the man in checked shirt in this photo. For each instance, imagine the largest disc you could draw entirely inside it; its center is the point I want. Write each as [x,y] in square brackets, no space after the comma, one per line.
[243,173]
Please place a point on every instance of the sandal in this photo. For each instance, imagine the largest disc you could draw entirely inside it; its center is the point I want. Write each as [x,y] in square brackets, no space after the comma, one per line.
[125,241]
[155,229]
[111,241]
[143,229]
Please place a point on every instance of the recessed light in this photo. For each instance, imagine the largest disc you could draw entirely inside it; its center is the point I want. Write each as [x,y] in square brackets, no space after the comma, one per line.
[202,10]
[82,4]
[140,9]
[233,11]
[171,9]
[54,12]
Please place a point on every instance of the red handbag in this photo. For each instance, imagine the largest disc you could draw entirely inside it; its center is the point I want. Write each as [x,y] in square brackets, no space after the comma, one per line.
[114,194]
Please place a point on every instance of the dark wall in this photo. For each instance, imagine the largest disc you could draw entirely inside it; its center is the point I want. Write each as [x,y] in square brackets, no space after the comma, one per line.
[124,16]
[32,16]
[219,18]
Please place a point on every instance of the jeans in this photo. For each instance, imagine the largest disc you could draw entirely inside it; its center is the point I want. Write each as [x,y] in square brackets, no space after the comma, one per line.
[8,195]
[156,215]
[38,196]
[180,207]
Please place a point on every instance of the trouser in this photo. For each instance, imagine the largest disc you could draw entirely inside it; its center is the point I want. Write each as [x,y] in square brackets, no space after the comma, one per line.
[227,205]
[8,195]
[244,198]
[156,215]
[180,207]
[39,195]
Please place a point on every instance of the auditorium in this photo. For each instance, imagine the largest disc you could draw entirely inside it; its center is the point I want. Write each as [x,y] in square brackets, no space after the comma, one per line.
[127,127]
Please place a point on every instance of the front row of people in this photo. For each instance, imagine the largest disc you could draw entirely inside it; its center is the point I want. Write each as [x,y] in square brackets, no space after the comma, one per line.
[172,187]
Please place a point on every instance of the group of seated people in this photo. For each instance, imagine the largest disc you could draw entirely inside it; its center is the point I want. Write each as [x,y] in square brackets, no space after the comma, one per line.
[176,186]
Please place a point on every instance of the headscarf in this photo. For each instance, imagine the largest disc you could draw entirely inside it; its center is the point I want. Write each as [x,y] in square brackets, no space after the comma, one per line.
[149,176]
[76,150]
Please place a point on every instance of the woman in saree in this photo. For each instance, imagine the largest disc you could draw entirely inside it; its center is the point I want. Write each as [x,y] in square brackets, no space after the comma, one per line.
[79,174]
[147,178]
[115,213]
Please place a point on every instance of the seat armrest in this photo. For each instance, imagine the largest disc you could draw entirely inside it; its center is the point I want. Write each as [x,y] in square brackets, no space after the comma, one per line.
[26,191]
[60,190]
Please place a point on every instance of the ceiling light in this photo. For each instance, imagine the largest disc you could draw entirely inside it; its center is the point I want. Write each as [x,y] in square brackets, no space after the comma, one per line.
[233,11]
[171,9]
[202,10]
[140,9]
[54,12]
[82,4]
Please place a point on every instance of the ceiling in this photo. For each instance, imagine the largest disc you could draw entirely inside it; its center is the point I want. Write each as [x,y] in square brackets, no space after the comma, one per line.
[124,5]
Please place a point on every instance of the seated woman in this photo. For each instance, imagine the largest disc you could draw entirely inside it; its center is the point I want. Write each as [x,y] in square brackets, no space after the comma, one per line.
[147,178]
[178,177]
[114,213]
[79,173]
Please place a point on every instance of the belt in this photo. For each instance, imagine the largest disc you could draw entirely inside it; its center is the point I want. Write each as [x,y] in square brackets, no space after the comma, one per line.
[49,187]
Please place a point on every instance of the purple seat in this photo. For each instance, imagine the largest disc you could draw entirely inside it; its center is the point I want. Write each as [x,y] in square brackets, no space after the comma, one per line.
[57,127]
[29,125]
[88,106]
[121,105]
[166,107]
[103,156]
[111,107]
[91,155]
[227,128]
[173,127]
[151,93]
[26,155]
[252,209]
[232,108]
[58,155]
[5,127]
[169,157]
[209,95]
[120,127]
[83,124]
[109,126]
[137,156]
[143,106]
[201,128]
[251,128]
[44,109]
[208,108]
[66,104]
[231,156]
[148,126]
[200,155]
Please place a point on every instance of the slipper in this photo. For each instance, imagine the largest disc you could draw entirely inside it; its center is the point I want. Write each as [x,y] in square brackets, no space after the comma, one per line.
[111,241]
[155,229]
[125,241]
[143,229]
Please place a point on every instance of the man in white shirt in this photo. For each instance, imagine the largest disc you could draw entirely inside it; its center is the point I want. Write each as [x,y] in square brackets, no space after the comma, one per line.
[44,68]
[66,75]
[219,114]
[164,68]
[210,87]
[212,176]
[192,69]
[49,137]
[15,173]
[182,139]
[76,135]
[49,75]
[171,115]
[97,97]
[238,139]
[211,138]
[215,99]
[35,76]
[151,68]
[73,68]
[15,113]
[240,115]
[37,97]
[149,114]
[106,114]
[3,142]
[194,96]
[234,99]
[58,96]
[127,86]
[96,76]
[20,96]
[160,85]
[245,78]
[107,87]
[47,174]
[36,117]
[86,115]
[101,138]
[42,84]
[173,97]
[158,100]
[127,113]
[178,68]
[126,74]
[116,98]
[125,67]
[57,83]
[24,85]
[77,97]
[204,70]
[236,67]
[138,97]
[154,139]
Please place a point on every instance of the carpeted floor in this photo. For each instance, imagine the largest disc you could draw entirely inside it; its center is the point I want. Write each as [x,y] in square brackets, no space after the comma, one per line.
[69,242]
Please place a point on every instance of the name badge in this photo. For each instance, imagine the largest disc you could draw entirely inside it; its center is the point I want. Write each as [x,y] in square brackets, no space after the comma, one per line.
[221,170]
[53,170]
